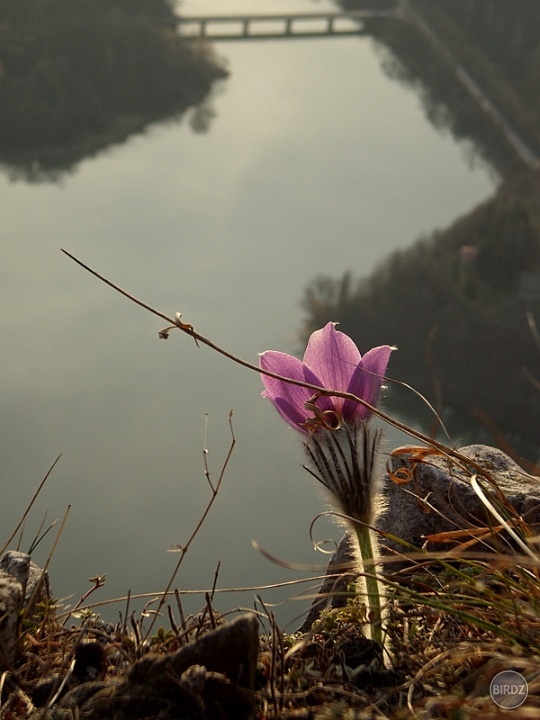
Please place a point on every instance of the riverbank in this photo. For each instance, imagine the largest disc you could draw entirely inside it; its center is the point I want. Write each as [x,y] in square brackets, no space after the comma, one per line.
[461,304]
[78,77]
[474,71]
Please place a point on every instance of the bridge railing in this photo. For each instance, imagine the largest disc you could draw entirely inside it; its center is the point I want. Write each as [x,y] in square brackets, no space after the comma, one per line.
[285,25]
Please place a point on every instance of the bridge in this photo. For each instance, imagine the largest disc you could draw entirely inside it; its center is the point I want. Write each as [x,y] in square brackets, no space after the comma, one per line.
[277,26]
[341,24]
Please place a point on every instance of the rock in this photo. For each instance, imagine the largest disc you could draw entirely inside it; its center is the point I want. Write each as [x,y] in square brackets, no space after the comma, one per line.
[21,566]
[85,679]
[11,602]
[19,577]
[211,678]
[437,498]
[17,564]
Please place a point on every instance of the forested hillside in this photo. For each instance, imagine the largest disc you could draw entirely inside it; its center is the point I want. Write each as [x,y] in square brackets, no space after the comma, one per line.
[462,305]
[75,76]
[498,45]
[456,306]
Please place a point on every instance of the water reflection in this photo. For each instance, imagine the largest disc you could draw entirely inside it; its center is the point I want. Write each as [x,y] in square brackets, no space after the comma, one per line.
[316,162]
[76,78]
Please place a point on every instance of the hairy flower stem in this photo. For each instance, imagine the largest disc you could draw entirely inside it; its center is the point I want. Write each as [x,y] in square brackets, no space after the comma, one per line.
[345,461]
[373,592]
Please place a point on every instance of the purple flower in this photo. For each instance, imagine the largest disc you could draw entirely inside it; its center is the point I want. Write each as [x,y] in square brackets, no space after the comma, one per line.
[341,445]
[332,362]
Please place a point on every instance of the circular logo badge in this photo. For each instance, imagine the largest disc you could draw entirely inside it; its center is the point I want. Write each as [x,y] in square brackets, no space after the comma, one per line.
[509,689]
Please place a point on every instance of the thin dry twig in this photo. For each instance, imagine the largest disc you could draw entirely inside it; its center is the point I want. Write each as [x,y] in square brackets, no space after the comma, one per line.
[185,548]
[449,452]
[98,582]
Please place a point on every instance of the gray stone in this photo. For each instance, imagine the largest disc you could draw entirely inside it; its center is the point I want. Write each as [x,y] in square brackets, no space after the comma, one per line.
[11,602]
[19,578]
[439,498]
[34,580]
[17,564]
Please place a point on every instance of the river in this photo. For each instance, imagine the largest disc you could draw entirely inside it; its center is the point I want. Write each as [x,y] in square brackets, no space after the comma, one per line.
[315,162]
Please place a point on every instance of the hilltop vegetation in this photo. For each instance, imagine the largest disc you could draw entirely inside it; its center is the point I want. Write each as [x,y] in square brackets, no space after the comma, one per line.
[461,305]
[76,76]
[498,45]
[459,320]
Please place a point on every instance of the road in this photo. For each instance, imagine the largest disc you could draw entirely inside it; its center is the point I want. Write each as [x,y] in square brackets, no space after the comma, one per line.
[520,147]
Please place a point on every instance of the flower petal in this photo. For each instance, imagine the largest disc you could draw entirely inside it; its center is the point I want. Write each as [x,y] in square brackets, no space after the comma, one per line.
[366,381]
[333,357]
[289,400]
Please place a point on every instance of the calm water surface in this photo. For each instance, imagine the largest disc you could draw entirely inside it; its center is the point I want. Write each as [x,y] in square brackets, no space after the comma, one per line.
[314,163]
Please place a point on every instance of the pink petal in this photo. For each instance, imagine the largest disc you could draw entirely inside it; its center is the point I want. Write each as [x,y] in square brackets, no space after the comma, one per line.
[333,357]
[367,380]
[289,400]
